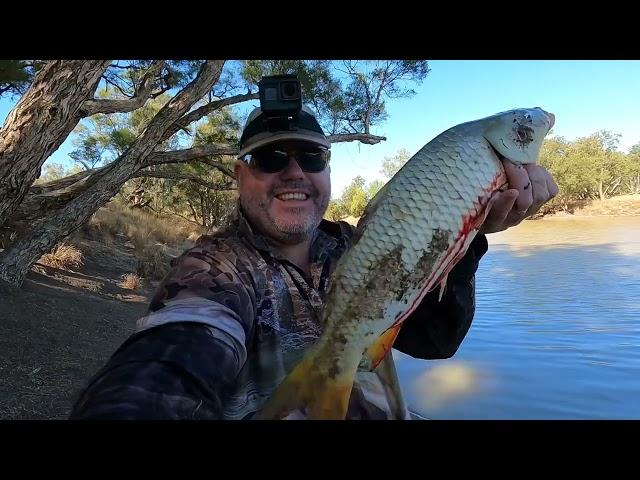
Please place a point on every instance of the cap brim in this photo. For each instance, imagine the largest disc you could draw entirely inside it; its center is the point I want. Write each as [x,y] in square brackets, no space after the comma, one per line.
[279,137]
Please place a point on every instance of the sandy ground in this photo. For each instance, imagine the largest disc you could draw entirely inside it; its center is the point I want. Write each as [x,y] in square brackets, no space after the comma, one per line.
[61,327]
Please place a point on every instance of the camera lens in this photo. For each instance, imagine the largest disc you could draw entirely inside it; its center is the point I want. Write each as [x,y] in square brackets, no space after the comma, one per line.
[289,90]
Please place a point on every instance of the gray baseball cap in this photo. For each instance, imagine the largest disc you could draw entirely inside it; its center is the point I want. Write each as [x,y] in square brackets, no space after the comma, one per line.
[256,133]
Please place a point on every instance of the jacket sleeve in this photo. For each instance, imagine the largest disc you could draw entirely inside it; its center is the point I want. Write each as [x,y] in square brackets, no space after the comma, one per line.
[436,329]
[174,371]
[184,360]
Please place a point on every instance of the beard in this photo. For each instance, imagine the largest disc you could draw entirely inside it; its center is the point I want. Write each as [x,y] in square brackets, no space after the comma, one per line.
[292,227]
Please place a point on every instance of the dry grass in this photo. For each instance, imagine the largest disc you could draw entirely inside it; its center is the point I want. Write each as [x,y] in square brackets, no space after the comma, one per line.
[142,227]
[154,261]
[130,281]
[193,236]
[152,236]
[622,205]
[64,256]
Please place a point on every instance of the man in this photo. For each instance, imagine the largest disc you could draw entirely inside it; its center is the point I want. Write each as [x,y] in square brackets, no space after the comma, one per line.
[239,309]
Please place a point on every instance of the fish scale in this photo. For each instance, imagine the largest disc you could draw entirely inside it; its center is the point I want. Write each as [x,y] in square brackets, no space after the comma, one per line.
[410,236]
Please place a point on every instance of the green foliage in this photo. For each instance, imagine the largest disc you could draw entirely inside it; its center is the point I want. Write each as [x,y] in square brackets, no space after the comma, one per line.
[13,71]
[391,165]
[354,199]
[121,139]
[52,171]
[348,96]
[590,167]
[374,187]
[221,126]
[92,141]
[141,117]
[102,138]
[15,76]
[208,207]
[585,169]
[336,211]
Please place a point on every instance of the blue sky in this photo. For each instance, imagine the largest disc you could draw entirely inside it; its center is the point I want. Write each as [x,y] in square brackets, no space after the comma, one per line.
[585,96]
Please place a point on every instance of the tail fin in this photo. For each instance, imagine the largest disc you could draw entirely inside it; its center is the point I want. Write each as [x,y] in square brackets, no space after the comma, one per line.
[381,347]
[312,391]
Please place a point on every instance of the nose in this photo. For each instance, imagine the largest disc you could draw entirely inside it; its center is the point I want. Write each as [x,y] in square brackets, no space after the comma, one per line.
[292,171]
[552,117]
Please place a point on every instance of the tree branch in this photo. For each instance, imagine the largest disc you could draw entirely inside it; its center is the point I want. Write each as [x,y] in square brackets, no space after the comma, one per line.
[142,94]
[220,166]
[198,113]
[352,137]
[157,94]
[184,176]
[193,212]
[125,67]
[64,182]
[78,182]
[186,218]
[194,153]
[111,82]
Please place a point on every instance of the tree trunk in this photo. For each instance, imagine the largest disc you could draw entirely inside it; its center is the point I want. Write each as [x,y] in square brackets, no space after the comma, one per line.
[193,212]
[40,122]
[600,185]
[610,190]
[202,211]
[15,262]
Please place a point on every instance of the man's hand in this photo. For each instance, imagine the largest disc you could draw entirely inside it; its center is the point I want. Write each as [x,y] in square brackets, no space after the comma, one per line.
[531,186]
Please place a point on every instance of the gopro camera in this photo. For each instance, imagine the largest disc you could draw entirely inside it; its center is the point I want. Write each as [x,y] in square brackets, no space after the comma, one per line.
[280,96]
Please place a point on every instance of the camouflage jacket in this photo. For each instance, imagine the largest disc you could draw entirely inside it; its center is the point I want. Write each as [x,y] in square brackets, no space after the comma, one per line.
[232,318]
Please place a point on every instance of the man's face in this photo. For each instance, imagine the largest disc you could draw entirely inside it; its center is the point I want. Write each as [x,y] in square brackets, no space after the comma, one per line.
[287,205]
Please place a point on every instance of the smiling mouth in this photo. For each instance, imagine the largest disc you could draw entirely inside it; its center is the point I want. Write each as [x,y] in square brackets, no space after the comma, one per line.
[285,197]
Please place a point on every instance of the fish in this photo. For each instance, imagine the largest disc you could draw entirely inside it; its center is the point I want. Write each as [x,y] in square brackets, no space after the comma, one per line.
[412,233]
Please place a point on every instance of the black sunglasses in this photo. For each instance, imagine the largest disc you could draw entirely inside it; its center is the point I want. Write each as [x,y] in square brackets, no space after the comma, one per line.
[273,160]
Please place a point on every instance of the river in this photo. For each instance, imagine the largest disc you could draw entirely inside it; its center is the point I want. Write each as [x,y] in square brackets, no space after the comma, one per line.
[556,333]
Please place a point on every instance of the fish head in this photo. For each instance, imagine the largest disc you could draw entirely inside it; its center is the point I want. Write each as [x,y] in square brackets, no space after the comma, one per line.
[517,135]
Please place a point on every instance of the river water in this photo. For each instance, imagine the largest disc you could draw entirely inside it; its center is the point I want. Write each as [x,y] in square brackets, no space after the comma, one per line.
[556,333]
